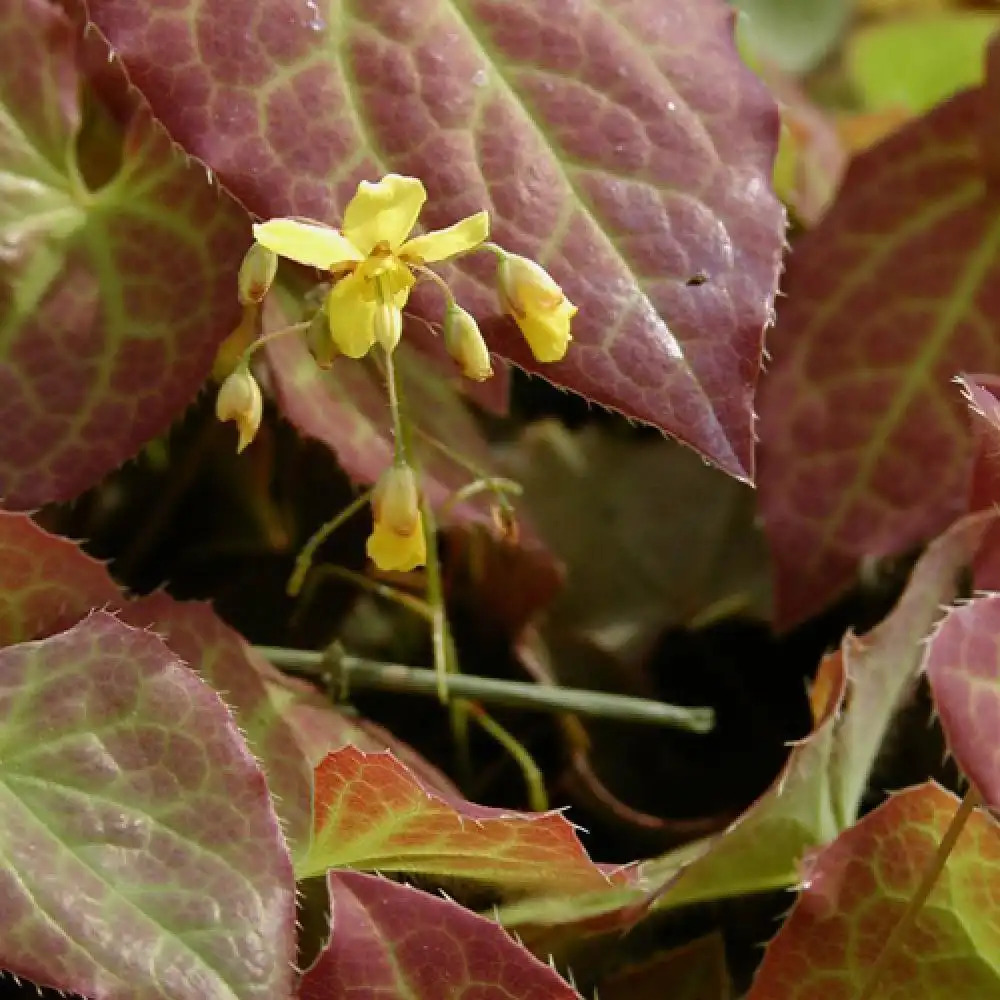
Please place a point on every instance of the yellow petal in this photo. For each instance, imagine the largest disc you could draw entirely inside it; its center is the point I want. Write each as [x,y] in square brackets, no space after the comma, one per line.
[385,211]
[444,243]
[547,331]
[352,316]
[305,242]
[392,551]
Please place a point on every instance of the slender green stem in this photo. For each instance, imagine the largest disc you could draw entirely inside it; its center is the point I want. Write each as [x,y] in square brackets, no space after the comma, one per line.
[266,338]
[303,561]
[392,388]
[534,780]
[972,799]
[498,485]
[438,280]
[380,676]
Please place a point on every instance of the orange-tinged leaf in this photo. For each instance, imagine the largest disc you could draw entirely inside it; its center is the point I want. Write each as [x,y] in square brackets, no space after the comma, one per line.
[855,891]
[864,445]
[372,813]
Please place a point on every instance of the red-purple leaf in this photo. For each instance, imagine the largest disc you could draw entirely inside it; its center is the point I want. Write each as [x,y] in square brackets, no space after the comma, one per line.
[223,660]
[856,890]
[963,668]
[621,143]
[392,942]
[112,301]
[371,812]
[981,392]
[142,855]
[47,583]
[864,446]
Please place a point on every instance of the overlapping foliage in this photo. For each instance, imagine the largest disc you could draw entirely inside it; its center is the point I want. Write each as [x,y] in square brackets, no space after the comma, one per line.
[167,793]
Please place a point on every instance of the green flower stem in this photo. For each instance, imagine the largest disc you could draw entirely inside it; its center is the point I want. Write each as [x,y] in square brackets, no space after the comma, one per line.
[303,561]
[397,419]
[340,668]
[266,338]
[426,272]
[534,780]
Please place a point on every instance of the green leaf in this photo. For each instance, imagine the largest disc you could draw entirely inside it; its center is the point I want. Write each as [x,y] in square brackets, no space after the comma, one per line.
[791,34]
[917,63]
[140,856]
[113,297]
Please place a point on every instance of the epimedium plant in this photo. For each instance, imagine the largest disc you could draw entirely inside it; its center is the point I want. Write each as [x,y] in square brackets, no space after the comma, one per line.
[168,794]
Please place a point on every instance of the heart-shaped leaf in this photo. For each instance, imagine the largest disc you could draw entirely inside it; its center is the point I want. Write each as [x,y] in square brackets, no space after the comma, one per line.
[864,446]
[114,298]
[142,856]
[396,942]
[856,890]
[621,143]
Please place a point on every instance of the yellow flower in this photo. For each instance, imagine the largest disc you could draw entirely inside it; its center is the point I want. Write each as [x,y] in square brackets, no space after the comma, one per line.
[240,400]
[465,343]
[371,253]
[397,540]
[539,306]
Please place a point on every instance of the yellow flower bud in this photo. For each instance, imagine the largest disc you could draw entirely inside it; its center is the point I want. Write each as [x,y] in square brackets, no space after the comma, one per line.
[319,340]
[240,400]
[538,305]
[388,325]
[397,539]
[257,272]
[465,343]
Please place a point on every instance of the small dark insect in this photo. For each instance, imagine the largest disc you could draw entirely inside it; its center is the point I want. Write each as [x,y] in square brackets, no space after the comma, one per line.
[698,278]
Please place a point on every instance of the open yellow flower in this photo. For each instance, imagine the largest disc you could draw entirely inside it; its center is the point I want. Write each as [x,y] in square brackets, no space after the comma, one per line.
[539,306]
[372,253]
[397,540]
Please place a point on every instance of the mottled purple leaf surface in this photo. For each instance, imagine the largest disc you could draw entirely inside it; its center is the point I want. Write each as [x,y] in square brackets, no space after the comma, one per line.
[393,942]
[112,300]
[963,668]
[142,856]
[620,142]
[865,448]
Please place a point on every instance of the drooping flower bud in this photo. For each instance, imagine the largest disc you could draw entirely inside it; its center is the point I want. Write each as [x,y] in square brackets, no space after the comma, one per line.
[320,341]
[257,272]
[240,400]
[464,342]
[388,325]
[397,539]
[538,305]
